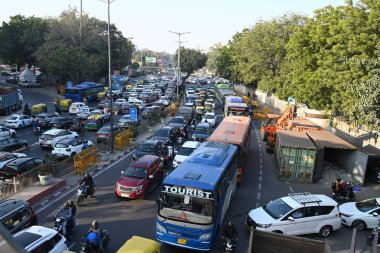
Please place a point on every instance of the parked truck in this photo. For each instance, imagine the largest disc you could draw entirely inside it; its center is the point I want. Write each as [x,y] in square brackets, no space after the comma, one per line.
[10,100]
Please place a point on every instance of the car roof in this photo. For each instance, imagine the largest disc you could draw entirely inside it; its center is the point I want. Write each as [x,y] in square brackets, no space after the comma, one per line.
[300,200]
[203,124]
[179,117]
[145,161]
[8,205]
[53,131]
[154,142]
[18,161]
[78,103]
[166,127]
[190,144]
[210,113]
[66,140]
[30,235]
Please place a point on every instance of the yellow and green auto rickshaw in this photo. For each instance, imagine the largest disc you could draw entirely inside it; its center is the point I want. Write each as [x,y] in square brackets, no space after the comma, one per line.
[211,96]
[128,87]
[94,122]
[101,95]
[208,106]
[38,108]
[199,102]
[246,99]
[64,104]
[139,244]
[199,111]
[203,97]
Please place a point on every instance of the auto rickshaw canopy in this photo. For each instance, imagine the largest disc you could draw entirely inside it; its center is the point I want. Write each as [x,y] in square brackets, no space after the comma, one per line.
[139,244]
[37,108]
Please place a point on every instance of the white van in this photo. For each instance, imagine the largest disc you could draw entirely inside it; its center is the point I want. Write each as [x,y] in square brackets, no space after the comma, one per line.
[74,107]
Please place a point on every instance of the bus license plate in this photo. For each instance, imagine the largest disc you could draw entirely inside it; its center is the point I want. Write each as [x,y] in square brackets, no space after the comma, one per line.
[181,241]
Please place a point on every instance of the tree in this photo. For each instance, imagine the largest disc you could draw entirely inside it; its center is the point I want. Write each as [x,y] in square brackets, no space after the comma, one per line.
[20,38]
[212,57]
[191,60]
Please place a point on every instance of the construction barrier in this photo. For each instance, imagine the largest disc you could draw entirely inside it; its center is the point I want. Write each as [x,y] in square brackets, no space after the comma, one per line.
[173,108]
[85,160]
[122,139]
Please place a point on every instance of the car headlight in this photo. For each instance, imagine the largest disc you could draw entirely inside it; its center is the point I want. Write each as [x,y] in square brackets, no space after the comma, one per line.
[161,228]
[263,225]
[205,236]
[138,188]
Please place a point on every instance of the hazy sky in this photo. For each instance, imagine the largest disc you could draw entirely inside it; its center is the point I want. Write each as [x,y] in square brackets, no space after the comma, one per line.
[149,21]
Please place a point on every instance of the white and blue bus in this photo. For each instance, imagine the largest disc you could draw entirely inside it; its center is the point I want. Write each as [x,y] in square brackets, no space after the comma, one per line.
[196,195]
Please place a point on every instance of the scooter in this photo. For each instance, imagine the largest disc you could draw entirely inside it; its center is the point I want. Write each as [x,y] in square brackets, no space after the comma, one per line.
[90,244]
[61,224]
[83,193]
[229,245]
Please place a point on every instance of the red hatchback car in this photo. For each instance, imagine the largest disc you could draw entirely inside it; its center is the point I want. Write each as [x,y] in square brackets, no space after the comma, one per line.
[140,177]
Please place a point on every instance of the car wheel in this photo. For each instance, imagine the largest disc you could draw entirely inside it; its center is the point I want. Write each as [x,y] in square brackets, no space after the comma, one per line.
[359,225]
[325,231]
[278,232]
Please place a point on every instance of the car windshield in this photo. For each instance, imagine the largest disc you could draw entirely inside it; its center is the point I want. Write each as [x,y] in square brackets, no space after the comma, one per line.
[13,118]
[61,145]
[186,209]
[146,148]
[162,133]
[56,120]
[201,130]
[185,151]
[39,117]
[135,172]
[367,205]
[104,130]
[277,208]
[208,116]
[177,120]
[46,136]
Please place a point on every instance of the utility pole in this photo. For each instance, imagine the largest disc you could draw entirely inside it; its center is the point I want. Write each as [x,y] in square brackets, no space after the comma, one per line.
[109,76]
[179,58]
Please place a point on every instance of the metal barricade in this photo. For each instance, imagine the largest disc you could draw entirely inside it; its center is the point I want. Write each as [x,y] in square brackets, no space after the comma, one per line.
[85,160]
[122,139]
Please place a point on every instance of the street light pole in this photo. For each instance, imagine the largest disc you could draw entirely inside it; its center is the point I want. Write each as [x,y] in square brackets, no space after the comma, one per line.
[179,58]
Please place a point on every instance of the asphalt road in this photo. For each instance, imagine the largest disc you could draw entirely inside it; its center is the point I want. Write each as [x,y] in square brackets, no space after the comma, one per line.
[125,218]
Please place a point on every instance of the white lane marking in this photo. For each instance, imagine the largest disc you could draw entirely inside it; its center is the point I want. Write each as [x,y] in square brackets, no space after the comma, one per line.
[56,194]
[43,202]
[72,245]
[258,195]
[74,188]
[259,187]
[261,160]
[261,172]
[261,154]
[261,166]
[260,178]
[291,189]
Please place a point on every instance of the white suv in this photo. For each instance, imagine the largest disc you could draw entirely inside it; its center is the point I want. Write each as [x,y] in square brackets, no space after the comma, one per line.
[297,214]
[41,239]
[50,137]
[70,147]
[186,149]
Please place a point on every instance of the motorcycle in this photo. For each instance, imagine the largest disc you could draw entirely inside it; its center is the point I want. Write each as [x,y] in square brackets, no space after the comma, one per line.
[76,128]
[229,245]
[90,243]
[372,236]
[62,224]
[347,194]
[83,193]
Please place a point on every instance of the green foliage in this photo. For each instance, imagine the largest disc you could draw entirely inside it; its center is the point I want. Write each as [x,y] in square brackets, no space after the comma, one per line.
[191,60]
[135,65]
[153,117]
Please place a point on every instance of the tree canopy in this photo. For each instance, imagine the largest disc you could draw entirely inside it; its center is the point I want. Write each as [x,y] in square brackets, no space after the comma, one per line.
[191,60]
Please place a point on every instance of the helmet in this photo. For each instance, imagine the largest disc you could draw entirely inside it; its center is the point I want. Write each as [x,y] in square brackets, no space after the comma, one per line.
[338,179]
[95,224]
[66,205]
[86,175]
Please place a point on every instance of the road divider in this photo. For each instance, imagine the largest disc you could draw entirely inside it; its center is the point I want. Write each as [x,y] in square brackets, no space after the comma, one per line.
[123,138]
[86,160]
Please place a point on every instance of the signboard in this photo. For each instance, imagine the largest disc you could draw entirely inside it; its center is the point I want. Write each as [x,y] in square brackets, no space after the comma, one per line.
[181,190]
[133,114]
[150,59]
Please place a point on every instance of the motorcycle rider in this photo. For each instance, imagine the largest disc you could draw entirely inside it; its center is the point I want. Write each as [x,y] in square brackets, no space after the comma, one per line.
[230,232]
[26,109]
[89,182]
[336,186]
[36,126]
[99,232]
[73,211]
[57,109]
[65,213]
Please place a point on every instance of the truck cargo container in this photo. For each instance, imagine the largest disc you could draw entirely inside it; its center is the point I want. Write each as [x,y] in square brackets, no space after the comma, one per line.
[9,100]
[295,156]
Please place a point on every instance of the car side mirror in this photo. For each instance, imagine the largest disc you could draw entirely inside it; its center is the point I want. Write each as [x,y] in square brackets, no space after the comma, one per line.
[176,151]
[375,214]
[150,176]
[122,172]
[290,218]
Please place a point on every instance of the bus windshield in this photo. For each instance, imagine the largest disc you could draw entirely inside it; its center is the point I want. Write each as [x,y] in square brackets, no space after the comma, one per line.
[197,210]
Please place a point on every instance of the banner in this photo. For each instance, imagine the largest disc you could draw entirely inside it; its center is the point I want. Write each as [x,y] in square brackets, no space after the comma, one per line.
[149,59]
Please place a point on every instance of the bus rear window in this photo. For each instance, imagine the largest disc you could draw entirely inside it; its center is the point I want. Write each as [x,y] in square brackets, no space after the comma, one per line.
[71,91]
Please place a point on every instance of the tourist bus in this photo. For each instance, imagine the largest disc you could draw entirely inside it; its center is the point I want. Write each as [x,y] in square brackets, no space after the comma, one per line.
[235,130]
[235,105]
[196,195]
[88,90]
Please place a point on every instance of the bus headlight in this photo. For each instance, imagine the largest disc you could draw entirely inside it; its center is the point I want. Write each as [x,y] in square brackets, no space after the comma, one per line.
[161,228]
[205,236]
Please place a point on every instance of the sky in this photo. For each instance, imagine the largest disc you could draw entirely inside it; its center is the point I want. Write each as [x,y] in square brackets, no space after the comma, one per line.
[148,22]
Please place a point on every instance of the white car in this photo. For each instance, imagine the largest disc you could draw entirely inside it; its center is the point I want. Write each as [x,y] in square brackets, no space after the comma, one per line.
[18,121]
[362,215]
[85,112]
[6,157]
[165,101]
[74,107]
[297,214]
[50,137]
[121,102]
[40,239]
[210,118]
[70,147]
[5,132]
[186,149]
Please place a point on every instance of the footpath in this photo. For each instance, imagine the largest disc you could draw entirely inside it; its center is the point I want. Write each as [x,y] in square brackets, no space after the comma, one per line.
[38,195]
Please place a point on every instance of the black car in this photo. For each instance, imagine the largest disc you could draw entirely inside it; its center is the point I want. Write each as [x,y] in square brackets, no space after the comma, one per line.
[18,166]
[148,110]
[61,122]
[104,133]
[165,134]
[149,147]
[178,122]
[12,144]
[17,215]
[45,118]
